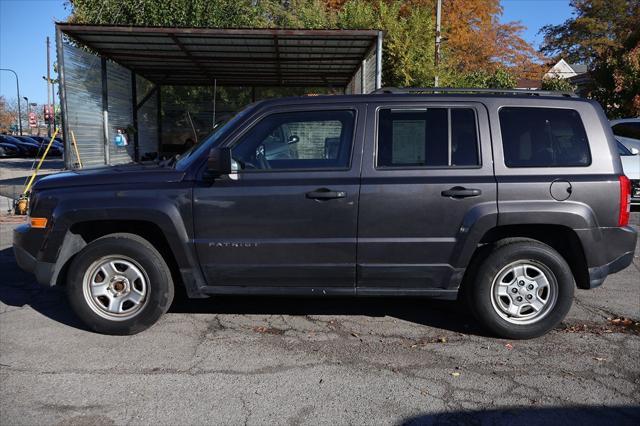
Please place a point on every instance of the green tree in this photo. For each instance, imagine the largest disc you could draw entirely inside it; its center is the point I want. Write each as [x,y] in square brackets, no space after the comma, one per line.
[596,27]
[557,83]
[605,35]
[408,54]
[408,47]
[308,14]
[501,78]
[186,13]
[617,79]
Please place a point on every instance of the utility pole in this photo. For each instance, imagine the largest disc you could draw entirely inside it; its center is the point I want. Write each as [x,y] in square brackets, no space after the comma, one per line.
[28,111]
[53,103]
[18,91]
[48,88]
[438,40]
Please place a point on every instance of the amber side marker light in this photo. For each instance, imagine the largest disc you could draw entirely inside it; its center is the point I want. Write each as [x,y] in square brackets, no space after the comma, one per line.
[38,222]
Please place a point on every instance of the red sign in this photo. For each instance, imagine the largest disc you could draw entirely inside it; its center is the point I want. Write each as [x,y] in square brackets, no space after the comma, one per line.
[33,119]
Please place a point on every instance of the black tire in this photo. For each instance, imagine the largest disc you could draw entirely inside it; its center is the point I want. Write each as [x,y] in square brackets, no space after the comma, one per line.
[479,294]
[159,285]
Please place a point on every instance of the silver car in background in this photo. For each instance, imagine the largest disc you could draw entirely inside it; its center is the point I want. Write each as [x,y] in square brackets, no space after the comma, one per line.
[631,167]
[627,131]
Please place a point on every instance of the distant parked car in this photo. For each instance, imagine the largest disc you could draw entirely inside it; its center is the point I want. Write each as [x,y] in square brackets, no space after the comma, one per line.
[45,140]
[8,150]
[26,149]
[29,140]
[56,149]
[627,131]
[40,139]
[631,167]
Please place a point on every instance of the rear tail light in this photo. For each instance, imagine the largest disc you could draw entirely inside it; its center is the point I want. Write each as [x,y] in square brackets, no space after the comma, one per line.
[625,200]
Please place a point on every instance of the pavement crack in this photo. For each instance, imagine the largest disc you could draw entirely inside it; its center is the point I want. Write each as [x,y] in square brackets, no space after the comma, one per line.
[246,410]
[166,371]
[596,310]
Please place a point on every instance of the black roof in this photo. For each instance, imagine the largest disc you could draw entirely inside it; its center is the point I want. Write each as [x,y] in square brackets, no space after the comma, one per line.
[232,57]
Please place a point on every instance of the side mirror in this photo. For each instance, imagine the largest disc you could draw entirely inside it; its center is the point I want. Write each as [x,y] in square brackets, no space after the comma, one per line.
[219,162]
[635,151]
[293,139]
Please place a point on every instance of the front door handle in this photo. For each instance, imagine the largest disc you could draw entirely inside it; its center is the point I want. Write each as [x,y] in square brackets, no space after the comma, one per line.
[461,192]
[325,194]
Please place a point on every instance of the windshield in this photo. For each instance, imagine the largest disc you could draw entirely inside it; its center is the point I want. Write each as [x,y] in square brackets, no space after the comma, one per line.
[209,142]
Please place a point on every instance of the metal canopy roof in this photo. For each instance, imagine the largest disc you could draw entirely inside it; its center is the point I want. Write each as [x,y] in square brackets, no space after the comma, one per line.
[232,57]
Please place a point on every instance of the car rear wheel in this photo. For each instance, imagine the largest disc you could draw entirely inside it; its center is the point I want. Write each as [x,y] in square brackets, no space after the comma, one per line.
[119,284]
[523,289]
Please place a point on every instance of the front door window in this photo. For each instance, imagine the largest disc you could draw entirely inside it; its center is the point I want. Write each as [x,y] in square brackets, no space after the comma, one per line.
[297,140]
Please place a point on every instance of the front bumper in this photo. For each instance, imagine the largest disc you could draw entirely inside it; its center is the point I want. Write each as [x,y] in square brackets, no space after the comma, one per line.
[26,244]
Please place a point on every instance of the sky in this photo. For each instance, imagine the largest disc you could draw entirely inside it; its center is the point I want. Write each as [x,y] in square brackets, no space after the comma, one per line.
[24,27]
[534,14]
[25,24]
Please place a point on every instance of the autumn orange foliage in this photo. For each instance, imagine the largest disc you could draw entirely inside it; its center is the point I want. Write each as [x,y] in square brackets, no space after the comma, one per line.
[475,39]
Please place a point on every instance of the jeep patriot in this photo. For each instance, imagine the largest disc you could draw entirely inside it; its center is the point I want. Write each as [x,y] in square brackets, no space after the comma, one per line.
[507,200]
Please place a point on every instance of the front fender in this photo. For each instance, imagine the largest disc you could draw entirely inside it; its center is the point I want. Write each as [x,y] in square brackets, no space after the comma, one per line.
[170,211]
[164,214]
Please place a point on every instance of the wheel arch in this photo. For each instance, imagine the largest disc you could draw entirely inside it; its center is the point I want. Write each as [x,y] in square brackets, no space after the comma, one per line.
[559,237]
[84,232]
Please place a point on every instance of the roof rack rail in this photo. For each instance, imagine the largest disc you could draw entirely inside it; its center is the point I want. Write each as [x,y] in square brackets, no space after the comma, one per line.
[421,90]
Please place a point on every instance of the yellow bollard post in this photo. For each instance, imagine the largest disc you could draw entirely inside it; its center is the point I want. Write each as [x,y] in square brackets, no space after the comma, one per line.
[35,172]
[75,146]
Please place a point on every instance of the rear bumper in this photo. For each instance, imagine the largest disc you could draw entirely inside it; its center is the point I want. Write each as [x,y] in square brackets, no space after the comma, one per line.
[607,251]
[26,243]
[598,274]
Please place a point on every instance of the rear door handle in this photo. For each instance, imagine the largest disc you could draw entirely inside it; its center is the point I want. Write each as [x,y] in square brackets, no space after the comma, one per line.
[325,194]
[461,192]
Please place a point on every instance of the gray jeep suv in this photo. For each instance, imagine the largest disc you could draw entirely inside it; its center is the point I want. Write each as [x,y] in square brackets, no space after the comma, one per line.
[506,199]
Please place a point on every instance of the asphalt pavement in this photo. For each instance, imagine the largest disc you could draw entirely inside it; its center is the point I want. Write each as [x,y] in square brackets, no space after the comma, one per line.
[261,360]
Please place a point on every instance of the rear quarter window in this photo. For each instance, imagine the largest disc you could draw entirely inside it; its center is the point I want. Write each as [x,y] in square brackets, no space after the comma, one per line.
[543,137]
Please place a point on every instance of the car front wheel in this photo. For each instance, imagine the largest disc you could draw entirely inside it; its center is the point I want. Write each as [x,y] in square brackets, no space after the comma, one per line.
[119,284]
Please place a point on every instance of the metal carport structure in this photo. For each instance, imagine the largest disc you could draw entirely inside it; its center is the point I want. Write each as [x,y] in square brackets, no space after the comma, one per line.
[110,76]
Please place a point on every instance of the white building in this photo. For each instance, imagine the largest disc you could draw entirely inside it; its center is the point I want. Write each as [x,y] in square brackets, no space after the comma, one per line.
[563,69]
[577,74]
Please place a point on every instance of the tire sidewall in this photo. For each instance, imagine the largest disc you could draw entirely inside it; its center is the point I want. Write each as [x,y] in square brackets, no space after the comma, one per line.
[480,296]
[159,287]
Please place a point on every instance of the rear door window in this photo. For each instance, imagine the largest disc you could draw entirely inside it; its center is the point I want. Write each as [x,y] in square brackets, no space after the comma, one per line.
[435,137]
[543,137]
